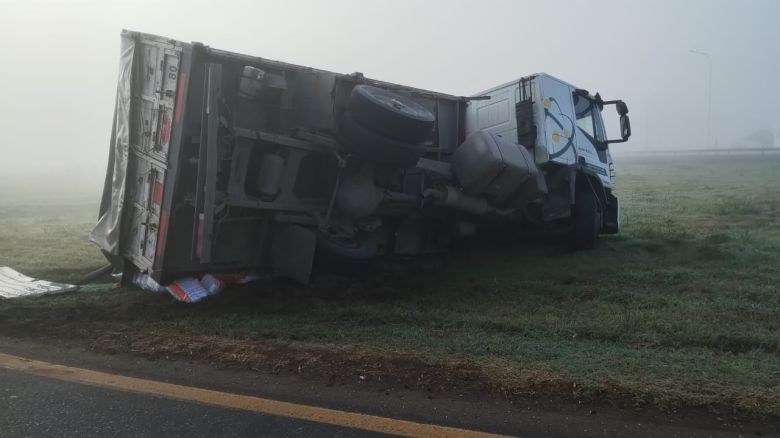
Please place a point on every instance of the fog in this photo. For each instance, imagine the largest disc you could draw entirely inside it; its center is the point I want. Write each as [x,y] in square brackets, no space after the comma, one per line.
[59,62]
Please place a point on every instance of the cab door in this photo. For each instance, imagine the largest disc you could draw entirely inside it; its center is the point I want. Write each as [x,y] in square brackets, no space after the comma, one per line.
[557,122]
[591,137]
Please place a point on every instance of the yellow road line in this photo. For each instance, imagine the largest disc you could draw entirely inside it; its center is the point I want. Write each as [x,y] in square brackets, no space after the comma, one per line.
[350,420]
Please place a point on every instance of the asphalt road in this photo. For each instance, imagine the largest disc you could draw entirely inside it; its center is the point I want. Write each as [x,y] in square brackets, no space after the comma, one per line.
[59,390]
[33,406]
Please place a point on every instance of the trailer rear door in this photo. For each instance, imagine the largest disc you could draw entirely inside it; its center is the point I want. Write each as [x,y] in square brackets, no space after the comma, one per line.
[144,124]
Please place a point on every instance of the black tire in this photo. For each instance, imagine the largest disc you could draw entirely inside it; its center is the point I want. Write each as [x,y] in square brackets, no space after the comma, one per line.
[390,114]
[377,148]
[586,215]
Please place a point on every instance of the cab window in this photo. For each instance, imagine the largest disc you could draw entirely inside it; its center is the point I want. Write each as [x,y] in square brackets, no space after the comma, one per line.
[589,118]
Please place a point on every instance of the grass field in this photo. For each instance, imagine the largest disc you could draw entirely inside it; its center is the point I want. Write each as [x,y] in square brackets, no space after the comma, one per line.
[681,309]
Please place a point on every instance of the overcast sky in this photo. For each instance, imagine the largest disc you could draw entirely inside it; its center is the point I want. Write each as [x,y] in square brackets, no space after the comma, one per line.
[59,59]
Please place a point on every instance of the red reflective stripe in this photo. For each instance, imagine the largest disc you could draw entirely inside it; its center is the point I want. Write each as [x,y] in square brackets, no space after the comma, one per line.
[160,251]
[199,245]
[157,193]
[180,92]
[165,130]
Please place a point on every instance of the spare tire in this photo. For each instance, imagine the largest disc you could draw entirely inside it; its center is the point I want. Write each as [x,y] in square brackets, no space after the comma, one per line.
[377,148]
[391,114]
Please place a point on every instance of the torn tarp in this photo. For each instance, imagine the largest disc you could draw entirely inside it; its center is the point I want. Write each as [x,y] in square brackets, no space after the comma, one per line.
[106,232]
[15,285]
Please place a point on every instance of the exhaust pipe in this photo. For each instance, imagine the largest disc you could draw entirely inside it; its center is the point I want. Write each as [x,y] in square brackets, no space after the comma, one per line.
[451,197]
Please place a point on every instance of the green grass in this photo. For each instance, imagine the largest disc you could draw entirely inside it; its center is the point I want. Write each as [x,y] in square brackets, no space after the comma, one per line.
[681,309]
[49,236]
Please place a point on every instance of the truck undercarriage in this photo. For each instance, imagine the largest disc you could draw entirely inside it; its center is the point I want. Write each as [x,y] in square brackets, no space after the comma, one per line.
[221,161]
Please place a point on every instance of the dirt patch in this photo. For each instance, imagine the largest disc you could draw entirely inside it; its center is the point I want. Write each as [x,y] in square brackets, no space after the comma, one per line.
[338,364]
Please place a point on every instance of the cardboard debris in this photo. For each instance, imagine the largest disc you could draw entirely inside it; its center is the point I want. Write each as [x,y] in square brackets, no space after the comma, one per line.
[16,285]
[188,289]
[212,284]
[194,289]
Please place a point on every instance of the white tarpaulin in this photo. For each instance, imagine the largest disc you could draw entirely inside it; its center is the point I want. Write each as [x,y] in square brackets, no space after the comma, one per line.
[15,285]
[106,232]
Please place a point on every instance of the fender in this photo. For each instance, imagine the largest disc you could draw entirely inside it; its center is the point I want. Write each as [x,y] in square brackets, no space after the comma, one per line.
[586,177]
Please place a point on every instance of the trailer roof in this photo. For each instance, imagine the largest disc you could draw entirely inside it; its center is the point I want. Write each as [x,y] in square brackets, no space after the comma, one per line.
[265,61]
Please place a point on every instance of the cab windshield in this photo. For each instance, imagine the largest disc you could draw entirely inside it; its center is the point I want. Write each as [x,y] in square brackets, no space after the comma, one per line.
[589,119]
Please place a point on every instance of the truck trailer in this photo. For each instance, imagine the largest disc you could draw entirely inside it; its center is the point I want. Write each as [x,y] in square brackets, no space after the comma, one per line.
[223,162]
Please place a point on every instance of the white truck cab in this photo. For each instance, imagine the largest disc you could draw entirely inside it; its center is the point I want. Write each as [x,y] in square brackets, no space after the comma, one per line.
[562,126]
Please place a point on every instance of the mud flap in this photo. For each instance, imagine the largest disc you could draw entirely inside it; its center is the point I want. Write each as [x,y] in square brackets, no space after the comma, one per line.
[292,251]
[612,217]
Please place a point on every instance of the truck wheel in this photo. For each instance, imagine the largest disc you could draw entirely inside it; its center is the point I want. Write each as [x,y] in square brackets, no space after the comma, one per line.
[377,148]
[390,114]
[587,220]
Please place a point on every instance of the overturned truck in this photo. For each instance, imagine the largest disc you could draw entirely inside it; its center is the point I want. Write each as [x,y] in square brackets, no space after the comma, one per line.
[220,161]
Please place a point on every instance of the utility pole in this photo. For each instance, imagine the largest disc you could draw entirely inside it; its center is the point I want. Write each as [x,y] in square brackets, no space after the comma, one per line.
[709,95]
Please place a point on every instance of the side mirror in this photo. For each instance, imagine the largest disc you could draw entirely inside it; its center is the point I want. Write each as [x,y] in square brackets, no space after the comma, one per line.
[622,109]
[625,125]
